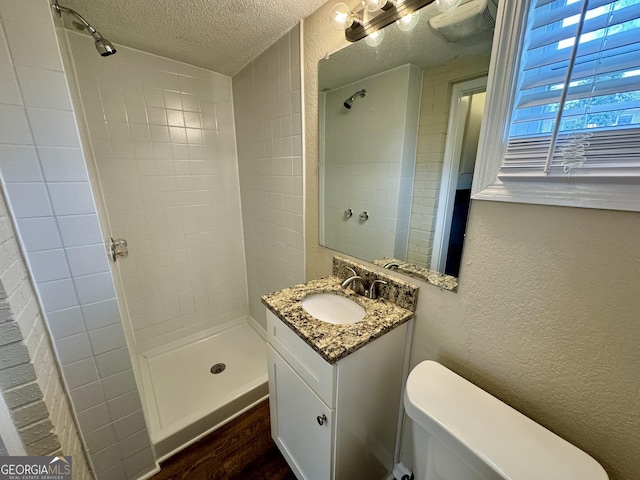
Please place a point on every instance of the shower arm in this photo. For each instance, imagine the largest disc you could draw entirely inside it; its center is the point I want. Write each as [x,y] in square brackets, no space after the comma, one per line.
[103,45]
[59,9]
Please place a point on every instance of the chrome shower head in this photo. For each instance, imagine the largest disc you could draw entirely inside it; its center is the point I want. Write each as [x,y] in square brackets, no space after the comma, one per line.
[104,46]
[349,101]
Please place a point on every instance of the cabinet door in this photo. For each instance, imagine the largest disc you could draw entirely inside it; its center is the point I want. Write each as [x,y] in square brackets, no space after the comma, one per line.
[296,417]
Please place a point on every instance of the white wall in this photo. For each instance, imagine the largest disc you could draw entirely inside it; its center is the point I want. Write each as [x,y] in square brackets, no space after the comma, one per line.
[366,162]
[162,134]
[51,200]
[267,97]
[546,315]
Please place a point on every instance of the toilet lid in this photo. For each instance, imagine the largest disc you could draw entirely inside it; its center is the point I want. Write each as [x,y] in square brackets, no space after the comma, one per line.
[465,416]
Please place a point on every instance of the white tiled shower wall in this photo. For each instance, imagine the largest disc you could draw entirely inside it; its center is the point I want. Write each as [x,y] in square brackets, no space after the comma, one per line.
[47,188]
[162,133]
[369,159]
[268,104]
[30,381]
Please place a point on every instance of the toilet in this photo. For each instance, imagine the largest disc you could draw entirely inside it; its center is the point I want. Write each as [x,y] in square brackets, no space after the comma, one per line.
[460,432]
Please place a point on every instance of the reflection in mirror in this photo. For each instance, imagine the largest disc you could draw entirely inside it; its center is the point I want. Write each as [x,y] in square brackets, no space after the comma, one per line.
[399,128]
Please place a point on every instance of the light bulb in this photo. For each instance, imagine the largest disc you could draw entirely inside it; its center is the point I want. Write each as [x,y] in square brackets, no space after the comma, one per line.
[341,16]
[373,5]
[374,39]
[408,22]
[446,5]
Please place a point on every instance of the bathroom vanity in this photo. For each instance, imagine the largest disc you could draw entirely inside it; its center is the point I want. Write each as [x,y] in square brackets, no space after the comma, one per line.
[335,390]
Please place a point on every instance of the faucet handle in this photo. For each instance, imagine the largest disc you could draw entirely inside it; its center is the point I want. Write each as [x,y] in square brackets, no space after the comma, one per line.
[371,293]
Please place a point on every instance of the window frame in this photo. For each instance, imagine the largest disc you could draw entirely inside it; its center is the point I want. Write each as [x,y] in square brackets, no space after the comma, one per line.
[598,192]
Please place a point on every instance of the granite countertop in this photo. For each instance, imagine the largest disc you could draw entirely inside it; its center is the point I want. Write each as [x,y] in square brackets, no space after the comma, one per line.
[441,280]
[334,342]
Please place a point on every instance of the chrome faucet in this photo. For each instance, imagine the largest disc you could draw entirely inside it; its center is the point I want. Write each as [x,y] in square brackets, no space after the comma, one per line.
[354,278]
[392,265]
[368,292]
[371,292]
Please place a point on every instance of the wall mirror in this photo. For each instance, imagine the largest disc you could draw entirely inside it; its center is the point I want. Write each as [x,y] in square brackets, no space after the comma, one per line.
[399,126]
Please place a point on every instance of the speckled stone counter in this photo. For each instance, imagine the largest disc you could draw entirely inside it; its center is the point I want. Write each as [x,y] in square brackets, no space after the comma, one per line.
[396,290]
[442,280]
[334,342]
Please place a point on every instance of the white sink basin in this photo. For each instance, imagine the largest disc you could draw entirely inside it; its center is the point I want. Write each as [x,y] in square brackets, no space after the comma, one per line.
[333,308]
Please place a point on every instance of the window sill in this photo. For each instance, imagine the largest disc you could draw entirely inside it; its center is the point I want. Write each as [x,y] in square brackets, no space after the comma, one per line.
[608,195]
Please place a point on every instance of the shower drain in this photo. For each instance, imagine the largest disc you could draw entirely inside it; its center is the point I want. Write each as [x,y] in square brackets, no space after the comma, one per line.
[218,368]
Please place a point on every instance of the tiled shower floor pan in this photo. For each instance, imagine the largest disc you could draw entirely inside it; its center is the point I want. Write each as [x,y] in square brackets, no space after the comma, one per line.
[184,399]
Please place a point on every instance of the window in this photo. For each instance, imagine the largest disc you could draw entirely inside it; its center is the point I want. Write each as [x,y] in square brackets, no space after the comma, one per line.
[571,119]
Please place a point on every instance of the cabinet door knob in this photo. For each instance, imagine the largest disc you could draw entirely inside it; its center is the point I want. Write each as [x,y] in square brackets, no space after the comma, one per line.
[321,419]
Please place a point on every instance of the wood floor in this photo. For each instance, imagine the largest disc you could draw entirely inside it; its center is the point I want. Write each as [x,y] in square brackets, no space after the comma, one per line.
[242,449]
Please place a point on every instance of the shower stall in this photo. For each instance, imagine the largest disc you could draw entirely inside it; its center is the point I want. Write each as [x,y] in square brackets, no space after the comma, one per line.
[167,158]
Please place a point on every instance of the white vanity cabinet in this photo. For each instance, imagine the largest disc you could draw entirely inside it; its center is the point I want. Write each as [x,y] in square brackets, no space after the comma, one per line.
[335,422]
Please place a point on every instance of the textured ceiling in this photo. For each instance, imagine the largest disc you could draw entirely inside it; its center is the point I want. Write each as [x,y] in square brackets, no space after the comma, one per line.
[220,35]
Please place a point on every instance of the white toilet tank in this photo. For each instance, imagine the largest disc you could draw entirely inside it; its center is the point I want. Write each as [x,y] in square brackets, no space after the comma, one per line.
[460,432]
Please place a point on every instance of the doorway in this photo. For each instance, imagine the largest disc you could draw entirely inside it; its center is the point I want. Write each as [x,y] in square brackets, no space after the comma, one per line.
[463,134]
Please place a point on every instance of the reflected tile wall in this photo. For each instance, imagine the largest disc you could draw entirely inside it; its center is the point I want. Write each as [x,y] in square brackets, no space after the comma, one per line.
[368,168]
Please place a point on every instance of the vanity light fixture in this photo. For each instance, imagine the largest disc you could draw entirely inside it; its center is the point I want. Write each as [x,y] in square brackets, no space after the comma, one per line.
[342,17]
[374,5]
[355,28]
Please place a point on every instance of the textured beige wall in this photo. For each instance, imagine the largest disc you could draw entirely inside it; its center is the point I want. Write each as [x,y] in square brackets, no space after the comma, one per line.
[547,314]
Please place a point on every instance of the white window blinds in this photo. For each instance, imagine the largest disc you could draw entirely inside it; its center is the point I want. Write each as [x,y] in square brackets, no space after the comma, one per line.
[577,106]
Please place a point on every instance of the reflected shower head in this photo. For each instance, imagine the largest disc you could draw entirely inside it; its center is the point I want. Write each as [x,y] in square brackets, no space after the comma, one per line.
[349,101]
[104,46]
